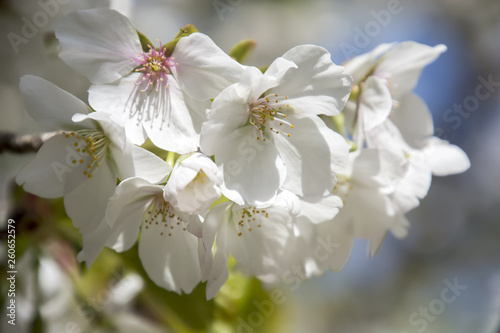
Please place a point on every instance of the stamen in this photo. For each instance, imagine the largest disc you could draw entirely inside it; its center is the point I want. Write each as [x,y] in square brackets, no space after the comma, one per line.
[267,114]
[249,216]
[154,67]
[92,143]
[161,211]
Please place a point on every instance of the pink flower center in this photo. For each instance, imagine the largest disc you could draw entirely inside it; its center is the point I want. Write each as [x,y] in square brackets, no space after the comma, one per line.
[155,67]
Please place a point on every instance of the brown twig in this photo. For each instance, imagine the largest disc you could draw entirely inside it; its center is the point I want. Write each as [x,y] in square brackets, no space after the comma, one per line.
[28,143]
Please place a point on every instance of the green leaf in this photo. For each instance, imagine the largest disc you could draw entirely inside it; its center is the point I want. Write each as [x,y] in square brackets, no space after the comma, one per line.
[183,32]
[242,50]
[145,42]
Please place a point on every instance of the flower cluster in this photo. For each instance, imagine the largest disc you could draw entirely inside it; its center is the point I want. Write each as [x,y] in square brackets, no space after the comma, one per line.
[277,168]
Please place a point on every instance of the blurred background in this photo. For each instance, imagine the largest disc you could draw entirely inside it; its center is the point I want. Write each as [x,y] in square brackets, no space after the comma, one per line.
[454,238]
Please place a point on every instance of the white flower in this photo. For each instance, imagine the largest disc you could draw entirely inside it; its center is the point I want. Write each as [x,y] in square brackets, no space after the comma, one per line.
[264,131]
[427,156]
[386,114]
[194,184]
[83,162]
[382,78]
[367,212]
[365,188]
[167,249]
[262,239]
[399,65]
[155,95]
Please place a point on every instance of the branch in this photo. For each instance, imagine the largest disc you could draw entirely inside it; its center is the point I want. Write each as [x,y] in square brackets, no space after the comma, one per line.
[21,144]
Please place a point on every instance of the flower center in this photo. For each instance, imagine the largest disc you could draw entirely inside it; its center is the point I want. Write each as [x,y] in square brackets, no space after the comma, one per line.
[267,115]
[343,187]
[200,176]
[154,67]
[250,217]
[162,212]
[91,145]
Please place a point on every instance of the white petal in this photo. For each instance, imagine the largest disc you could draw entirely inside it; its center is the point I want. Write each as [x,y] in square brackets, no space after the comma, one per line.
[374,168]
[261,250]
[312,155]
[120,106]
[317,86]
[126,322]
[229,111]
[198,200]
[137,162]
[333,244]
[175,129]
[190,192]
[203,70]
[125,231]
[198,161]
[163,115]
[170,261]
[413,186]
[413,119]
[251,167]
[232,195]
[404,63]
[86,202]
[50,105]
[279,67]
[319,209]
[361,65]
[98,43]
[376,102]
[214,268]
[127,193]
[46,174]
[445,159]
[370,211]
[178,180]
[289,201]
[93,243]
[110,127]
[220,274]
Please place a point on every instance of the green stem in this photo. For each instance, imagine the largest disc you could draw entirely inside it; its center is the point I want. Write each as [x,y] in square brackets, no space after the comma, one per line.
[171,157]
